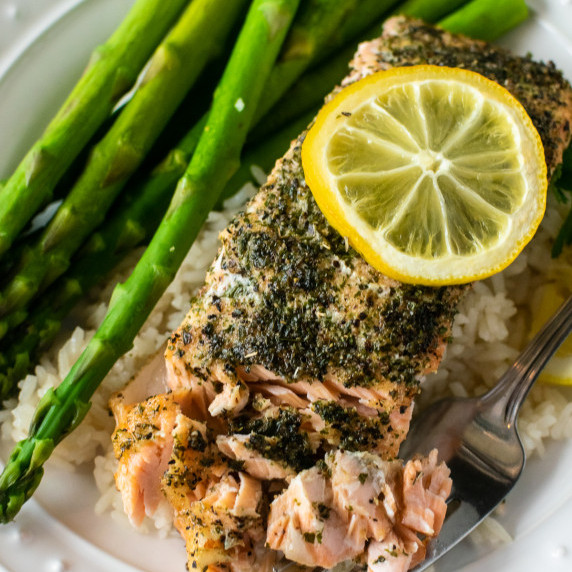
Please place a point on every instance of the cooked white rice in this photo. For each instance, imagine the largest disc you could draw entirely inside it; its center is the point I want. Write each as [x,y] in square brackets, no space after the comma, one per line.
[493,323]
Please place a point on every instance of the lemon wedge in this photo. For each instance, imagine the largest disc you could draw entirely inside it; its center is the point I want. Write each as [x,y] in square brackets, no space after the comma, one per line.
[435,175]
[559,369]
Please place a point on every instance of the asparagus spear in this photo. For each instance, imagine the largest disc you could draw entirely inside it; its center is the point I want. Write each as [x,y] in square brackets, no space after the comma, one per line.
[133,222]
[216,158]
[430,11]
[175,65]
[113,69]
[490,17]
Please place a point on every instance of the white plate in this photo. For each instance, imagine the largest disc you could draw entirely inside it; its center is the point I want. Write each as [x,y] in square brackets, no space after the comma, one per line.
[44,45]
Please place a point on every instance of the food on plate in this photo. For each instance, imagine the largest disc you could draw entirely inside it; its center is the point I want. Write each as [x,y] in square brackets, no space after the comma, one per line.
[214,452]
[215,145]
[296,368]
[436,175]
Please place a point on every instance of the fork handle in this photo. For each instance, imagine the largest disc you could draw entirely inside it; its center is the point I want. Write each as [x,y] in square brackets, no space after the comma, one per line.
[513,387]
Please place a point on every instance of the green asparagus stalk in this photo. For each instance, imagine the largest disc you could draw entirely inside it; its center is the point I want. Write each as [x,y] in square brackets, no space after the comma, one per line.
[489,18]
[430,11]
[174,67]
[113,69]
[216,158]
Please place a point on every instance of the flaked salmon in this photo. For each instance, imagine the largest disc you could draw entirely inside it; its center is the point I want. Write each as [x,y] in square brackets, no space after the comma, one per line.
[356,503]
[289,386]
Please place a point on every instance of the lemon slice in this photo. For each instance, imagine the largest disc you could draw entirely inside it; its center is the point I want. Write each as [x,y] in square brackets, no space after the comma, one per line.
[559,369]
[436,175]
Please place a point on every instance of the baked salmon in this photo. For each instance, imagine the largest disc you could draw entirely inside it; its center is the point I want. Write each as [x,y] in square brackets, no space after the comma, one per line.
[290,384]
[357,507]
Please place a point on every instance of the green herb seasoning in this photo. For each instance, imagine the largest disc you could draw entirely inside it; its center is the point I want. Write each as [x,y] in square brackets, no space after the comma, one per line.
[277,437]
[289,294]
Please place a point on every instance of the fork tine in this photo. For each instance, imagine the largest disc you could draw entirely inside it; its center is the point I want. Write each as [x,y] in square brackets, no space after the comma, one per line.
[462,518]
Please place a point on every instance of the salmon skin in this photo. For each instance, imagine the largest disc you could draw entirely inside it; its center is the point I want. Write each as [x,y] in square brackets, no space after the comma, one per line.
[289,386]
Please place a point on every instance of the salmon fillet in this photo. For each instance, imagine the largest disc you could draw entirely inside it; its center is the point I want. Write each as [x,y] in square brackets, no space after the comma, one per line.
[291,380]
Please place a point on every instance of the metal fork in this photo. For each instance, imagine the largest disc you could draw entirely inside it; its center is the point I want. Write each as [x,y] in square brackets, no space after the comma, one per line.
[478,438]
